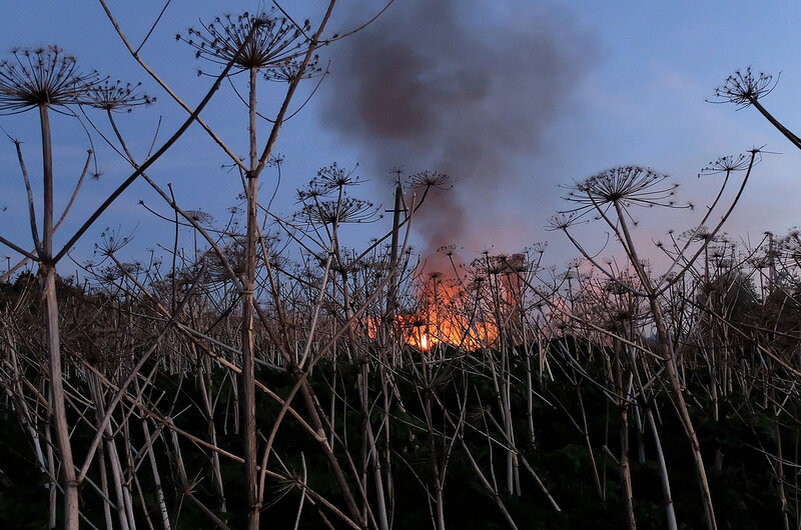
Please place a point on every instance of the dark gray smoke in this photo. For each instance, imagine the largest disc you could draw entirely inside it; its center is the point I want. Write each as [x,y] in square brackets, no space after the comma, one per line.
[462,87]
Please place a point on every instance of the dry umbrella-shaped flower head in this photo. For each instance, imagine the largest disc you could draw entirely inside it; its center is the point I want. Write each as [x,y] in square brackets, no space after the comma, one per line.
[539,247]
[275,42]
[313,191]
[200,217]
[430,179]
[348,210]
[727,164]
[42,76]
[335,177]
[288,71]
[111,241]
[700,234]
[744,88]
[624,186]
[116,96]
[560,221]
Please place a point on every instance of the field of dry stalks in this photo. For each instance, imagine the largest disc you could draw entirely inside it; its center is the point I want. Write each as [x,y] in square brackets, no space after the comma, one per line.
[497,393]
[238,384]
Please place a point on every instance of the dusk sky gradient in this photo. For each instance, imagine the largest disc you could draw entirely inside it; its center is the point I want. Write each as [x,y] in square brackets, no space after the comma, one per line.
[511,98]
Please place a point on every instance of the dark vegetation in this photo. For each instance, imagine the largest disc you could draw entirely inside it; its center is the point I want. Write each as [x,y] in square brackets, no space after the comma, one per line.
[231,385]
[536,412]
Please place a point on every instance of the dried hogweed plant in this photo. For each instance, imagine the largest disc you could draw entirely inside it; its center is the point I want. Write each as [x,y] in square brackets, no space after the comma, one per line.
[745,89]
[623,187]
[116,96]
[46,76]
[273,49]
[47,79]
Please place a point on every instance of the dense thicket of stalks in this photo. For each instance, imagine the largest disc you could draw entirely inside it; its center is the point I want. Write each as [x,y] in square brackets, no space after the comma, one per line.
[267,375]
[567,418]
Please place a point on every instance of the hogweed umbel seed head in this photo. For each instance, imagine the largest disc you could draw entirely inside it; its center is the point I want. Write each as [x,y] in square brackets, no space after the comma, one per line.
[744,88]
[266,42]
[116,96]
[42,76]
[623,186]
[727,164]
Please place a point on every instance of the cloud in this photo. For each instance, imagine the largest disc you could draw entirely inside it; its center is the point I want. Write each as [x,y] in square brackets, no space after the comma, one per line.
[466,88]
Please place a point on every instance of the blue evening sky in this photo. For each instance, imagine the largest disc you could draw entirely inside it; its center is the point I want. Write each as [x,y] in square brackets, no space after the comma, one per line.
[633,92]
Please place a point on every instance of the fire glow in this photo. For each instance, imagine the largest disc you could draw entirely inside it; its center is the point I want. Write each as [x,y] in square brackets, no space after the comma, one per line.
[466,315]
[447,314]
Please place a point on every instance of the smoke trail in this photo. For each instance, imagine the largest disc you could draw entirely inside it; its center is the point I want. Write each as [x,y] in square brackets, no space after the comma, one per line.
[461,87]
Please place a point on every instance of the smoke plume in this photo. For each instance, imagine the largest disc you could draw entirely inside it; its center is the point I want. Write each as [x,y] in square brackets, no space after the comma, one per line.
[466,88]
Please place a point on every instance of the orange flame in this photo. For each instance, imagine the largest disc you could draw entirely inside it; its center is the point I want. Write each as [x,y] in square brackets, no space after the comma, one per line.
[447,315]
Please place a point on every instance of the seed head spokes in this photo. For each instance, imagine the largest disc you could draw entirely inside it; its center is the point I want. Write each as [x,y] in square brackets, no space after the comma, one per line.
[330,212]
[116,96]
[275,43]
[625,186]
[430,179]
[41,76]
[744,88]
[727,164]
